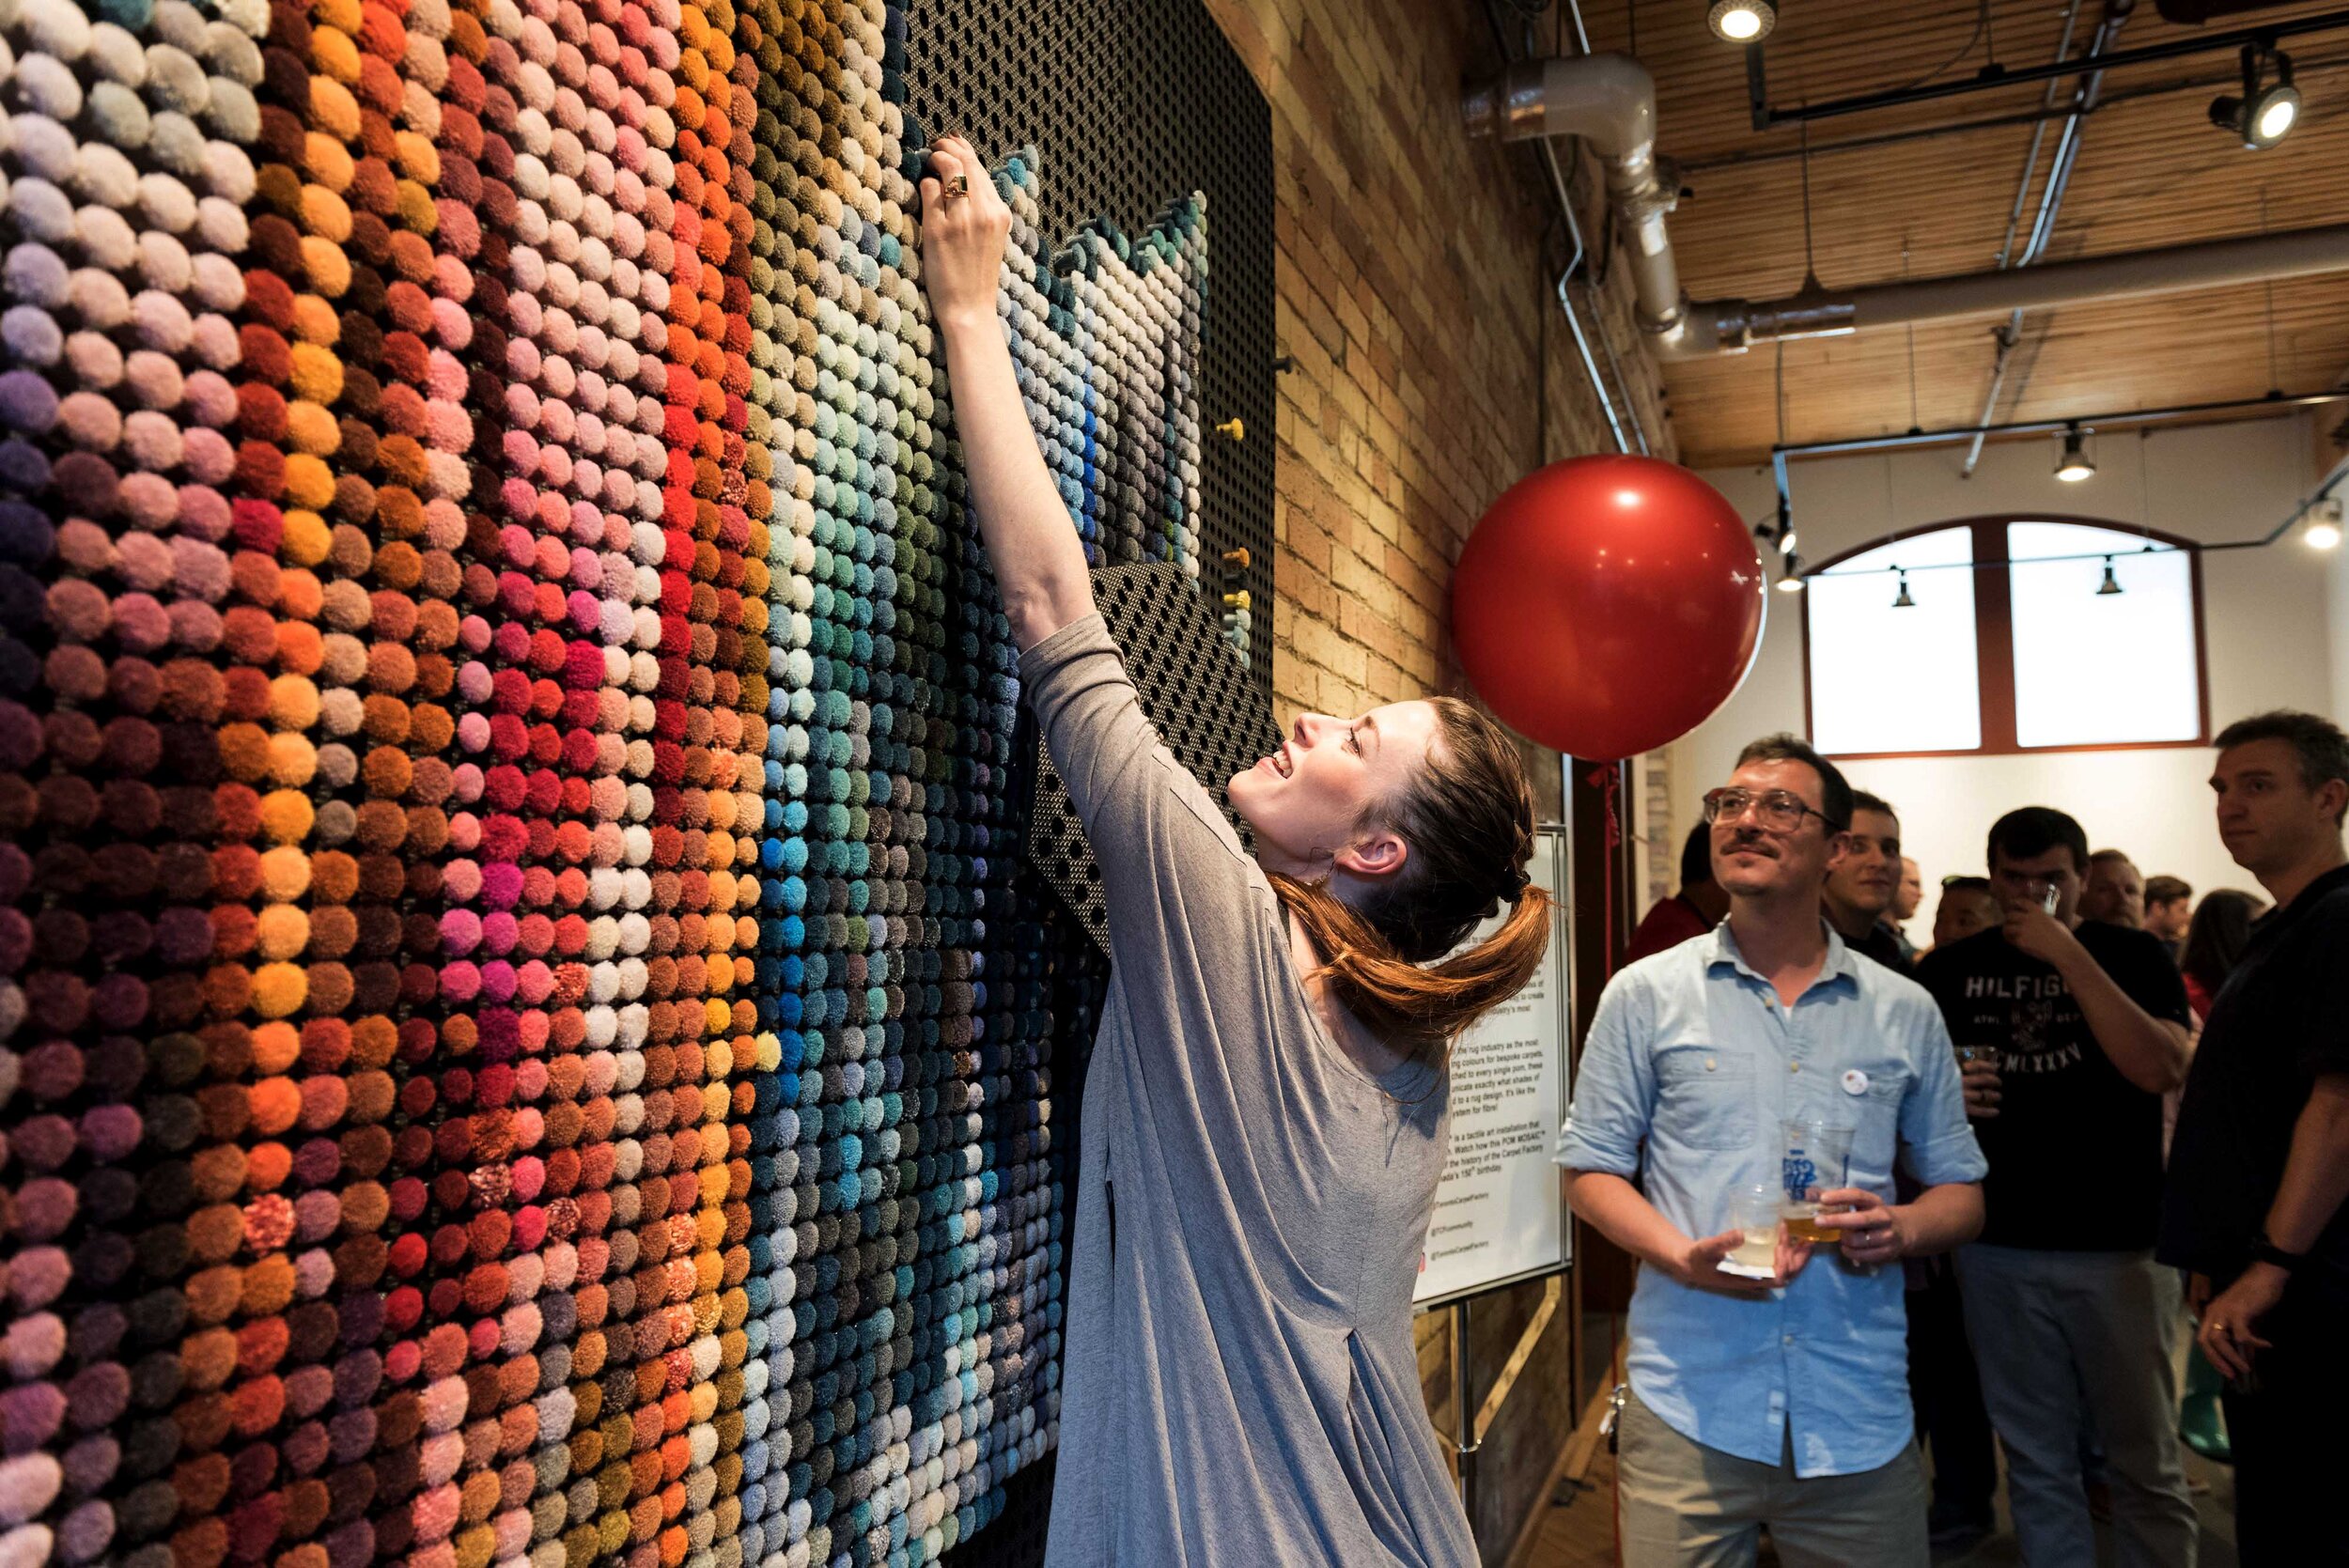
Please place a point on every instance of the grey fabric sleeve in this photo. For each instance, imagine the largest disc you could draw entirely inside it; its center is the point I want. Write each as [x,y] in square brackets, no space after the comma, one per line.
[1156,833]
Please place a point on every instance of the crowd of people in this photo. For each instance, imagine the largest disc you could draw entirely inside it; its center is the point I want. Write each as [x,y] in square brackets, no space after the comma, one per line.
[2087,1115]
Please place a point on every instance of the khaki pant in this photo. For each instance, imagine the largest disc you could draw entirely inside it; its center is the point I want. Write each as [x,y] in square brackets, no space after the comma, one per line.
[1683,1505]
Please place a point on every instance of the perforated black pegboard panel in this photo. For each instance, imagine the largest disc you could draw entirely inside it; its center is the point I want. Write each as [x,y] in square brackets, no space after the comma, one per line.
[1193,687]
[1133,103]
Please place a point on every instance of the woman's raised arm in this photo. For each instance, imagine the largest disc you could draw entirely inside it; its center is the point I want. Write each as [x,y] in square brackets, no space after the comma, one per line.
[1040,562]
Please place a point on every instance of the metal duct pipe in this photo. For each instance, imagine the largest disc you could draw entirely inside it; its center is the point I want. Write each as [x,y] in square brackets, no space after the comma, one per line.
[2085,98]
[1609,101]
[1731,326]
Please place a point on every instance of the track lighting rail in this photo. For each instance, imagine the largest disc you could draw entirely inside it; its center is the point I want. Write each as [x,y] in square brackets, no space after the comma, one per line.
[1766,115]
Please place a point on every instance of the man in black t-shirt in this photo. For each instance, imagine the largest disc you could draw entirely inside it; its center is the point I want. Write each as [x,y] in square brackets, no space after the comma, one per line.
[1863,880]
[2258,1200]
[1863,883]
[2076,1030]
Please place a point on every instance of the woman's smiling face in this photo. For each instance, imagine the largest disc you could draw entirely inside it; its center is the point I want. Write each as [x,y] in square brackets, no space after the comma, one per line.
[1307,803]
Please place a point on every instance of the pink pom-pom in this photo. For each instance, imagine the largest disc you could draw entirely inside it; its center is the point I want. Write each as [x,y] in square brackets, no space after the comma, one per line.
[460,931]
[461,981]
[111,1132]
[149,501]
[460,879]
[213,341]
[199,569]
[141,624]
[314,1273]
[142,562]
[443,525]
[318,1214]
[32,1346]
[29,1482]
[452,279]
[501,884]
[445,376]
[90,420]
[30,1414]
[451,324]
[195,626]
[444,1401]
[210,457]
[152,440]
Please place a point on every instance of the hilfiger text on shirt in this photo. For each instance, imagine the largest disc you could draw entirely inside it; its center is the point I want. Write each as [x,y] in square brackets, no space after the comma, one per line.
[2016,987]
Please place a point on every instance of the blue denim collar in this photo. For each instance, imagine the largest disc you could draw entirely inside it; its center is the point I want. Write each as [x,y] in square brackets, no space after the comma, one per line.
[1842,965]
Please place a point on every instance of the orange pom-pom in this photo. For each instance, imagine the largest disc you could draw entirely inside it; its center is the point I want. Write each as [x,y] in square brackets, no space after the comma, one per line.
[278,991]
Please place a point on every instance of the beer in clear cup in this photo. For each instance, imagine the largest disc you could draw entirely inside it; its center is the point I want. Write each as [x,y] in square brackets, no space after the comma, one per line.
[1816,1159]
[1756,1213]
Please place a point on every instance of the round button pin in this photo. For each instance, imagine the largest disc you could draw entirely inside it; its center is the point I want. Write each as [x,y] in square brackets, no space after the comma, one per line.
[1854,1082]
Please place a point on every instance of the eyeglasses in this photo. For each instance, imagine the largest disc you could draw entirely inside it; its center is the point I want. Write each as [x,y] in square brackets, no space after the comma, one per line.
[1780,811]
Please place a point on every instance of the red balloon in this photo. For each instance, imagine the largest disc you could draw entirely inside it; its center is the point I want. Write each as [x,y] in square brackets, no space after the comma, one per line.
[1605,606]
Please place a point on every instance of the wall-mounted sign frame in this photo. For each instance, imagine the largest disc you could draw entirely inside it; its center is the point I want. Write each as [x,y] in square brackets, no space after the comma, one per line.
[1500,1214]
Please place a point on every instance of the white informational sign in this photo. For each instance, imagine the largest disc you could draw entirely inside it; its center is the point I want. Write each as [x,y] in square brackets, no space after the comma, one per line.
[1500,1215]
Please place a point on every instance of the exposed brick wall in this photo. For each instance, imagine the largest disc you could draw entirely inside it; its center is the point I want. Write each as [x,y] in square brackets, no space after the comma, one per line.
[1432,372]
[1659,838]
[1412,297]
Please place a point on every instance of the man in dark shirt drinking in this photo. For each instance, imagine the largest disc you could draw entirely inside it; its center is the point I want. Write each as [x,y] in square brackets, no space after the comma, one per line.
[2075,1032]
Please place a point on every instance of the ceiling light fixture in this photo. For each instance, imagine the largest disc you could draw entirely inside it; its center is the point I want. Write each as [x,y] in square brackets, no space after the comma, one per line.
[2268,109]
[2323,529]
[1904,601]
[1792,582]
[1786,543]
[2075,465]
[2111,585]
[1741,21]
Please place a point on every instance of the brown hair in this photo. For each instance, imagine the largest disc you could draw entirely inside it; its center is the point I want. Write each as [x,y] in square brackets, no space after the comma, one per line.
[1468,816]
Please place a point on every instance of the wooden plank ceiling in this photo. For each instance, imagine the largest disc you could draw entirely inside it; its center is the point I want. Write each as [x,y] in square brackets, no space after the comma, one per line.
[2152,171]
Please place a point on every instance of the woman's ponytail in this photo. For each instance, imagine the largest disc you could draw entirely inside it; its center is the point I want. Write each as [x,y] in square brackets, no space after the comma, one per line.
[1468,817]
[1424,1006]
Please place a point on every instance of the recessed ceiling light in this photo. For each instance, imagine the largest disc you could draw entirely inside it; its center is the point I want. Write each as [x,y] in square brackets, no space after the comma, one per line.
[1741,21]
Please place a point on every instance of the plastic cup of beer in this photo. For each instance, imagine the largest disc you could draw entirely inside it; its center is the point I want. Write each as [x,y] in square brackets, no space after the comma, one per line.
[1817,1158]
[1755,1209]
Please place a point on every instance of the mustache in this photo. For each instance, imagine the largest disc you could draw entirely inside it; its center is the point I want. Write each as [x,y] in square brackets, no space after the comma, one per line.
[1747,839]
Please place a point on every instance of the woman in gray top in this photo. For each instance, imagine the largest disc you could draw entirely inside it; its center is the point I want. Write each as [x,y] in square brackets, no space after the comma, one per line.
[1264,1111]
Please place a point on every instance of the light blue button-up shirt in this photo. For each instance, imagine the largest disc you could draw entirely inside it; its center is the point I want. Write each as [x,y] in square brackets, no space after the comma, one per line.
[1691,1066]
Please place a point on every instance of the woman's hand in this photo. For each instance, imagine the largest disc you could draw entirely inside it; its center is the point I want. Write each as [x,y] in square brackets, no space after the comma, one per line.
[964,227]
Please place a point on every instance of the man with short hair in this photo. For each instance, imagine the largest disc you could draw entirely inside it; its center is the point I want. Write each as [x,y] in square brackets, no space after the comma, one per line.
[2115,891]
[2260,1169]
[2169,913]
[1907,898]
[1968,904]
[1863,878]
[2062,1296]
[1695,909]
[1778,1401]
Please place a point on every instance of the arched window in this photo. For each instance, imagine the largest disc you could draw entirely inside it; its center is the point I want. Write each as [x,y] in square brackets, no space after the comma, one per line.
[2005,635]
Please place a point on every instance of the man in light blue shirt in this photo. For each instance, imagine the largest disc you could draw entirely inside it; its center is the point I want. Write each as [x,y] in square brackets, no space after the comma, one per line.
[1781,1401]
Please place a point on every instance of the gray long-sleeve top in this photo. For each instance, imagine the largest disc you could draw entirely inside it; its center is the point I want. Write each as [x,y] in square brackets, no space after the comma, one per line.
[1239,1384]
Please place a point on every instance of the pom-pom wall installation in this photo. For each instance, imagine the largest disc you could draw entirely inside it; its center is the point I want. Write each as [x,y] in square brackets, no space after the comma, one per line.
[520,1043]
